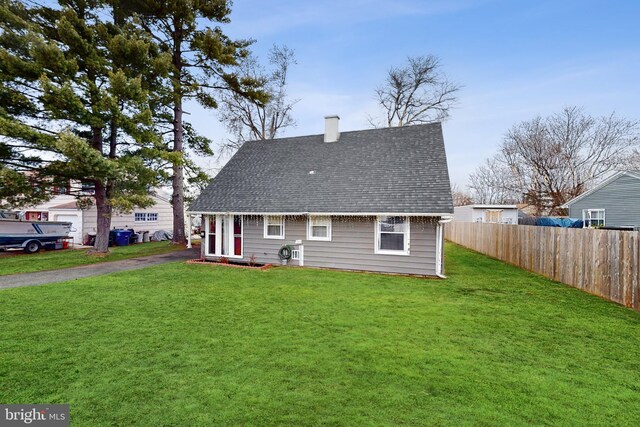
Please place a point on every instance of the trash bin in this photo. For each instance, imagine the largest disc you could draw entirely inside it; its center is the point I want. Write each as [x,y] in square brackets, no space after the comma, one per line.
[121,237]
[91,239]
[133,237]
[145,236]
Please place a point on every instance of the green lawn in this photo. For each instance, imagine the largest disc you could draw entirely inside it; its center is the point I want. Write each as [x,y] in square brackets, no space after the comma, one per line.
[189,345]
[18,262]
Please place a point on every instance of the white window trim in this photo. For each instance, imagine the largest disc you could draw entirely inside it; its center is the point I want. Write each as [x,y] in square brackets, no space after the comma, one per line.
[278,237]
[146,216]
[405,252]
[586,216]
[310,235]
[230,236]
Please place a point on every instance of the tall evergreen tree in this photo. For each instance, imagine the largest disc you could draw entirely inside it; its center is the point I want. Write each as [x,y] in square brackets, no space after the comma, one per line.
[203,62]
[20,113]
[86,114]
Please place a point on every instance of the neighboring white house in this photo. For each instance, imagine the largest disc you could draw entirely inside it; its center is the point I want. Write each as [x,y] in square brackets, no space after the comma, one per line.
[63,207]
[500,214]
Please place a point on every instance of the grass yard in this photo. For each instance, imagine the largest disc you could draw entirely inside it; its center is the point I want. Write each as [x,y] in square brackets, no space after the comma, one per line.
[16,262]
[189,345]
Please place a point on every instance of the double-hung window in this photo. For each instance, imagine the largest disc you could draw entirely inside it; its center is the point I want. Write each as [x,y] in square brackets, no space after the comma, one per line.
[319,228]
[392,235]
[593,217]
[273,227]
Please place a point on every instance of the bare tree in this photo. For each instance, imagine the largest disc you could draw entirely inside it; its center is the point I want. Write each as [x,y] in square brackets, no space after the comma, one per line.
[250,119]
[415,93]
[460,197]
[556,158]
[493,182]
[634,161]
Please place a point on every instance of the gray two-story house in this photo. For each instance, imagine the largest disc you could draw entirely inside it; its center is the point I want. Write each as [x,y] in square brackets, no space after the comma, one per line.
[613,203]
[372,200]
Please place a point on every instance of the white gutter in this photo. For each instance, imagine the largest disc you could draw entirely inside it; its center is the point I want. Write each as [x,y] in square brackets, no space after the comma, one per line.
[443,215]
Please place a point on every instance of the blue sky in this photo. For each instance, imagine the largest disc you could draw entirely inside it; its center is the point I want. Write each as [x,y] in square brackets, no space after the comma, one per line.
[516,59]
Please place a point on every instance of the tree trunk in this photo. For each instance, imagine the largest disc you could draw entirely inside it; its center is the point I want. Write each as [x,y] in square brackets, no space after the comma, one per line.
[177,200]
[103,206]
[103,219]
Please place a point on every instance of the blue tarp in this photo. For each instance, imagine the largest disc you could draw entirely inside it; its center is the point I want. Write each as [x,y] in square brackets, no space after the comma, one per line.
[559,222]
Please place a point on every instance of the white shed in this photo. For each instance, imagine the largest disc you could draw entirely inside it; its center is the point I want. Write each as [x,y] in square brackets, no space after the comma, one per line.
[500,214]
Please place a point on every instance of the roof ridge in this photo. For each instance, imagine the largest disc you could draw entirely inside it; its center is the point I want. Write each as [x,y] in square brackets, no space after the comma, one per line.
[380,129]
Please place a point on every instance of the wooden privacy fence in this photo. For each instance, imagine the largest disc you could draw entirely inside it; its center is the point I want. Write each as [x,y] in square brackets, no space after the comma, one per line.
[601,262]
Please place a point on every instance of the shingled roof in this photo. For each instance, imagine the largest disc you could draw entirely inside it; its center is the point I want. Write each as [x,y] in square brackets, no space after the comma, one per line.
[392,170]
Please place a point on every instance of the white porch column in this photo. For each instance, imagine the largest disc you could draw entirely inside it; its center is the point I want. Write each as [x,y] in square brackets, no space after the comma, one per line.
[189,231]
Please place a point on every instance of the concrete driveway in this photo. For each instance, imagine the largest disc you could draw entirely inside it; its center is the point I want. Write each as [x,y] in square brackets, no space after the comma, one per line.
[53,276]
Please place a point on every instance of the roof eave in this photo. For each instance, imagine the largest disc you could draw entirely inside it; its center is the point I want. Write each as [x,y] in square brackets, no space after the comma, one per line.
[414,214]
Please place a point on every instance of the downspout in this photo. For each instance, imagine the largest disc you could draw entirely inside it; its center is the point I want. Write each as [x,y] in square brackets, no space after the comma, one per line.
[440,245]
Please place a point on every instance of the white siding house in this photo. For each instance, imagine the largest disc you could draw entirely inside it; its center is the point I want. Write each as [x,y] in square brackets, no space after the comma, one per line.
[63,207]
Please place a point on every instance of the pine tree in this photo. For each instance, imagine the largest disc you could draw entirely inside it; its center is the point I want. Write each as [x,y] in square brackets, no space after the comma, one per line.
[20,114]
[203,63]
[88,115]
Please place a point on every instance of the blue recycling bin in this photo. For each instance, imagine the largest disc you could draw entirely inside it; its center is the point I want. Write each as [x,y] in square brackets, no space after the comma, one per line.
[121,237]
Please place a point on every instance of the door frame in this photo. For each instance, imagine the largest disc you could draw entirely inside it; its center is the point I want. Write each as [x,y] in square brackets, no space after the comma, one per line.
[230,235]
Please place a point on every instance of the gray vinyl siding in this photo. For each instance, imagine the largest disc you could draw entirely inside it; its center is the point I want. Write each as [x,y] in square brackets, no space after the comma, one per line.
[620,199]
[351,246]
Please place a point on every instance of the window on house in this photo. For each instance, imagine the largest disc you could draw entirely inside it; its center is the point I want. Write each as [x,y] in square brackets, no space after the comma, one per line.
[237,235]
[63,187]
[593,217]
[145,217]
[319,228]
[88,187]
[37,216]
[392,235]
[273,227]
